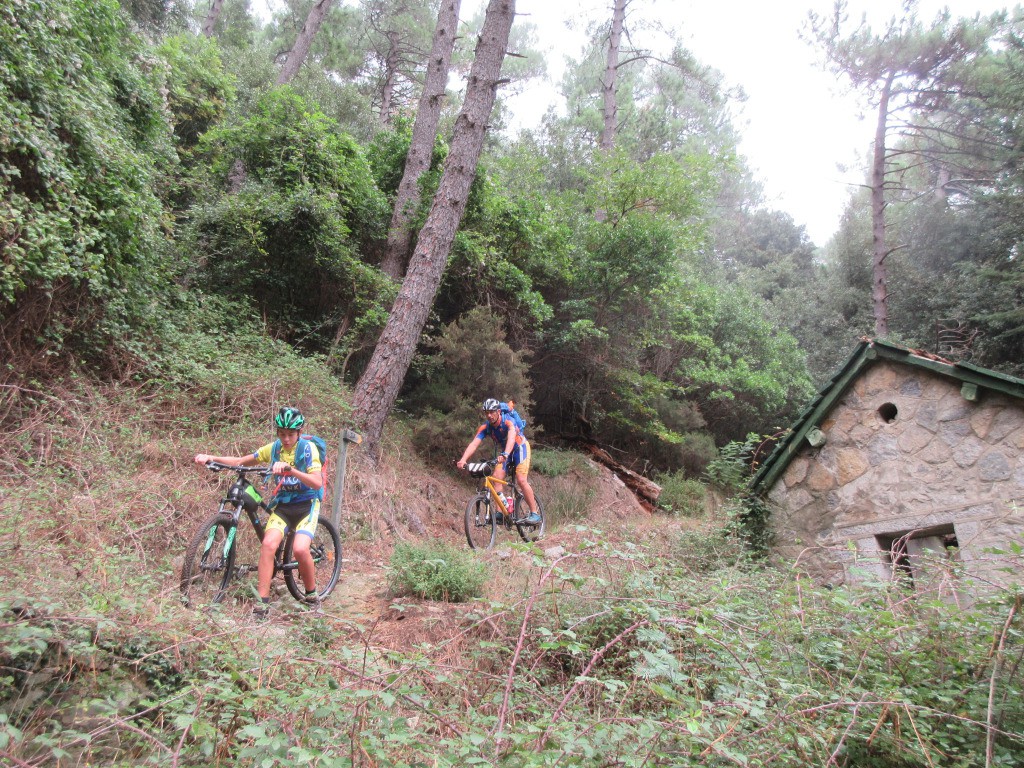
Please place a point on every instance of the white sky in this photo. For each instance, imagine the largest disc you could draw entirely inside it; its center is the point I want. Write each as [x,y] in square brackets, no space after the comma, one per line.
[797,126]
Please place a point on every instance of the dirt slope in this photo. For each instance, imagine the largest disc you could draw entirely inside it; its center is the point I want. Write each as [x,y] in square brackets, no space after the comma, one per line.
[586,504]
[383,506]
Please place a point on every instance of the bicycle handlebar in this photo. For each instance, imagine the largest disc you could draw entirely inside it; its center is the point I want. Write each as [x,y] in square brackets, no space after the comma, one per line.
[216,466]
[480,468]
[490,462]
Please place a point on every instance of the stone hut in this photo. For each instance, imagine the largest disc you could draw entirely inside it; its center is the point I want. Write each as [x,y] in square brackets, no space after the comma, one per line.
[904,465]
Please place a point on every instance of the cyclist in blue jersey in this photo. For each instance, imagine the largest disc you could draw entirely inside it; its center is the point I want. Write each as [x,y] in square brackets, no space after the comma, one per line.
[515,452]
[298,479]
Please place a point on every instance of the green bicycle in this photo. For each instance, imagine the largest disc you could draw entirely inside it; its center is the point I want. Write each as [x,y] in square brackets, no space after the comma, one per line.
[219,556]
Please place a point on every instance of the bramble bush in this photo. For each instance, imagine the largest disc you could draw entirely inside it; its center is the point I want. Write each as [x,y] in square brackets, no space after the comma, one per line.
[605,649]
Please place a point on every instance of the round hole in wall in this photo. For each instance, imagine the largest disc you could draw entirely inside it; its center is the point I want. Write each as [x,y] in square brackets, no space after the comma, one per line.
[887,412]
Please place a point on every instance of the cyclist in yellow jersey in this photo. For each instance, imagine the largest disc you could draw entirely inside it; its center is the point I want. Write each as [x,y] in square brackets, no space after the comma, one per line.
[298,501]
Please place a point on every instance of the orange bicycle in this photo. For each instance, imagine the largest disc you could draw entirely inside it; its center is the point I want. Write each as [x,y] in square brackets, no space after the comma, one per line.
[491,507]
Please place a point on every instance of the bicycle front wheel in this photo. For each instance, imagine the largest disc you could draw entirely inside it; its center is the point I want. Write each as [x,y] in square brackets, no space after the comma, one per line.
[480,527]
[209,562]
[534,531]
[326,551]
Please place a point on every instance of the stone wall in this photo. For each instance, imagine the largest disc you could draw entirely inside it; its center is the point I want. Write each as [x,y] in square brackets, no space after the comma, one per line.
[905,452]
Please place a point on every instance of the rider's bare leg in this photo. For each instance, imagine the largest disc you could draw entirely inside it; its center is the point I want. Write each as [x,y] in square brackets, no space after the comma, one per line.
[265,572]
[307,569]
[527,489]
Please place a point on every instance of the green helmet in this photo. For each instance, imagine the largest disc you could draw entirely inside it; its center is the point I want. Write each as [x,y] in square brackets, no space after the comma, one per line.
[289,418]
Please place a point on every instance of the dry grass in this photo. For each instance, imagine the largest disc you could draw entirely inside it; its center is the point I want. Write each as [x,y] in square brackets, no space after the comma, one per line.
[105,496]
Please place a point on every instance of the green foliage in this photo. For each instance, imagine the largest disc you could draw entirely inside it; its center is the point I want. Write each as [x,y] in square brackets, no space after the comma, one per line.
[552,462]
[236,27]
[386,156]
[435,571]
[643,350]
[289,239]
[216,344]
[731,470]
[682,495]
[510,248]
[472,362]
[199,91]
[83,149]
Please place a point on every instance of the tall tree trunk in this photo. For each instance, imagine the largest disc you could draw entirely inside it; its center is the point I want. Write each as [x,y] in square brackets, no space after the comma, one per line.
[211,18]
[387,91]
[378,387]
[428,114]
[297,55]
[879,287]
[608,82]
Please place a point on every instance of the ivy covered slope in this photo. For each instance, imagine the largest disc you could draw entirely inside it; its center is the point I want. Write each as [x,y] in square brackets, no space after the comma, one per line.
[86,157]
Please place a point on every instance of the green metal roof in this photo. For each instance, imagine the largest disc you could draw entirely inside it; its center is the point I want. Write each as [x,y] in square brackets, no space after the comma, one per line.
[867,353]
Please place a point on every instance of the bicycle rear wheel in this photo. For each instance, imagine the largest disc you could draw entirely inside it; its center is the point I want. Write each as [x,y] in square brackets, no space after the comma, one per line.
[480,527]
[534,532]
[209,562]
[326,551]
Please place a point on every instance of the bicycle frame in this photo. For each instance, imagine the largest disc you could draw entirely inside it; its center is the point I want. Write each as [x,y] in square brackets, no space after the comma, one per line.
[232,505]
[491,483]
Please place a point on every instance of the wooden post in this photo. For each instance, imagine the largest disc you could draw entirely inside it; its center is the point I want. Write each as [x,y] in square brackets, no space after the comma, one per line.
[347,436]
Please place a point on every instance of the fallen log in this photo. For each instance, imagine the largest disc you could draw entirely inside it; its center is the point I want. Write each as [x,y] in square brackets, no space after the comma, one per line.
[647,491]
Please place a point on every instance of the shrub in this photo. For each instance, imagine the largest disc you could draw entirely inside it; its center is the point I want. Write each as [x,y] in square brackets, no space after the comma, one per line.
[731,470]
[84,148]
[291,239]
[706,551]
[440,437]
[435,572]
[682,495]
[473,362]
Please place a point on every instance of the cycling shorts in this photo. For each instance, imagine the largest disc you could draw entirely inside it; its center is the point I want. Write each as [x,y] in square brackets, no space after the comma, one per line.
[519,459]
[300,516]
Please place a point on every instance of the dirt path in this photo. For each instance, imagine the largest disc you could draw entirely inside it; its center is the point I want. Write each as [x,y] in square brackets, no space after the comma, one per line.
[592,505]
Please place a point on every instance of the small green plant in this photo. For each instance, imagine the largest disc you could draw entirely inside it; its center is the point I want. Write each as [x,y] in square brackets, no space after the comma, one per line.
[682,495]
[731,469]
[751,522]
[435,572]
[316,633]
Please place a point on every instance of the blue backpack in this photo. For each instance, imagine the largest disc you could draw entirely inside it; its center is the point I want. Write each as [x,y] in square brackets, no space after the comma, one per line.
[508,410]
[300,456]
